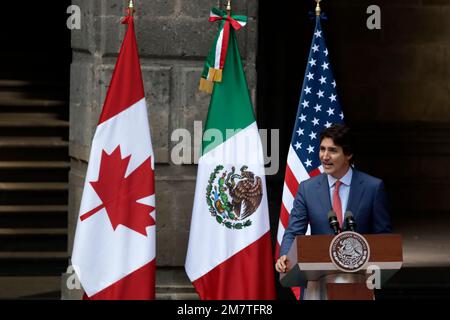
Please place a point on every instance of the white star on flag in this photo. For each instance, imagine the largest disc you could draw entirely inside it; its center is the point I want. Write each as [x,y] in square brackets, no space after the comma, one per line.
[305,104]
[330,111]
[310,149]
[325,66]
[300,132]
[310,76]
[315,48]
[315,122]
[298,145]
[318,107]
[333,97]
[307,90]
[308,163]
[302,118]
[312,62]
[323,80]
[320,94]
[318,33]
[312,135]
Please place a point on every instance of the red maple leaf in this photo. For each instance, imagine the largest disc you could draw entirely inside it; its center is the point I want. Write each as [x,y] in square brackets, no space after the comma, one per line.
[120,195]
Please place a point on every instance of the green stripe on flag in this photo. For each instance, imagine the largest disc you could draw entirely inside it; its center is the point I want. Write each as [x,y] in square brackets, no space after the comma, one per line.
[230,106]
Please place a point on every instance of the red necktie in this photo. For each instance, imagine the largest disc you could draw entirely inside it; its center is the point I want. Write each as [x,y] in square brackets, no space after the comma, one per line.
[337,205]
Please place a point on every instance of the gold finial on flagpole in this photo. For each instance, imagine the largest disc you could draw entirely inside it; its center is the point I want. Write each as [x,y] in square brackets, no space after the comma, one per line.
[229,7]
[131,7]
[318,10]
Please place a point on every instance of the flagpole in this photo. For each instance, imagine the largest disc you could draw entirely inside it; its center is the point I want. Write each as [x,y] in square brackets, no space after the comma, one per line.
[318,10]
[229,8]
[131,7]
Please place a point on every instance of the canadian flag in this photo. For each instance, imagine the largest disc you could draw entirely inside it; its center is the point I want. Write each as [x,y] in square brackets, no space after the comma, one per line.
[114,248]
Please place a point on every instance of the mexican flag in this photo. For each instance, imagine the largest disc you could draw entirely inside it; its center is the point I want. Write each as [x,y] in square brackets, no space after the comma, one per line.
[229,254]
[114,248]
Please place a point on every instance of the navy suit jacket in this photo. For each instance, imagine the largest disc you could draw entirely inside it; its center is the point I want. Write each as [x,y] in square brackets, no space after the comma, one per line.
[367,201]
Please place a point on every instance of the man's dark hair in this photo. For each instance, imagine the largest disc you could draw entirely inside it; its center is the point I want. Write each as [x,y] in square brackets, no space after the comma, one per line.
[342,137]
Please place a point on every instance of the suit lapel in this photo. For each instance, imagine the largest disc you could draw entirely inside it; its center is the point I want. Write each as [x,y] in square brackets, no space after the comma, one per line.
[323,193]
[357,189]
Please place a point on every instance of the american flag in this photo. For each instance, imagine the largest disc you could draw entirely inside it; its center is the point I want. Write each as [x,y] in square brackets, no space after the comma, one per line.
[318,109]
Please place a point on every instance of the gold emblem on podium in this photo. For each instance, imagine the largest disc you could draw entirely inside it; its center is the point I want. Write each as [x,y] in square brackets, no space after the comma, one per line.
[349,251]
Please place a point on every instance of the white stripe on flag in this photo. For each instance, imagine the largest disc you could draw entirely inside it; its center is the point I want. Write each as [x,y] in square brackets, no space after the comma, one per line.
[218,50]
[288,198]
[213,15]
[211,243]
[280,232]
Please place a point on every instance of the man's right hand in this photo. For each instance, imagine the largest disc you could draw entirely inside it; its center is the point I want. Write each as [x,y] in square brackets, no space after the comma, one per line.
[282,263]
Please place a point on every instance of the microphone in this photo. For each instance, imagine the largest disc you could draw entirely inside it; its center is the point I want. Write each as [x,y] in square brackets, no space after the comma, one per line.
[350,221]
[334,223]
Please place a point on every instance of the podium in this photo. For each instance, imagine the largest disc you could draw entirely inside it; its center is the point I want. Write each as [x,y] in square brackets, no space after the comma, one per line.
[310,265]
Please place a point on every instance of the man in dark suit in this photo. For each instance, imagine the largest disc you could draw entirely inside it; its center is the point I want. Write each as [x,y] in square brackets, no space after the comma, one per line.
[339,188]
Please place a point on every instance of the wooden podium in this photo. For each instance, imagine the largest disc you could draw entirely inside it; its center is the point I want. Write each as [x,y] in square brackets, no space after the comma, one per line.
[310,266]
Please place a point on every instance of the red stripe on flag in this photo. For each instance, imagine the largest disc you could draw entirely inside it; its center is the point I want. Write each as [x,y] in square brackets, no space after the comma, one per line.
[236,25]
[214,19]
[126,86]
[291,180]
[225,40]
[248,275]
[315,172]
[138,285]
[284,216]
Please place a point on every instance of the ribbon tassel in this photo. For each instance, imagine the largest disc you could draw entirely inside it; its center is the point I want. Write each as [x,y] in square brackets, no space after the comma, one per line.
[206,85]
[215,62]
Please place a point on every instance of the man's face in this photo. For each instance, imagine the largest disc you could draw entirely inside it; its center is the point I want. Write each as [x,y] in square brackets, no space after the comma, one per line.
[334,161]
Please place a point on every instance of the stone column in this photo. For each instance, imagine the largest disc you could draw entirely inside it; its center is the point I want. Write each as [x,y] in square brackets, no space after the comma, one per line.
[174,37]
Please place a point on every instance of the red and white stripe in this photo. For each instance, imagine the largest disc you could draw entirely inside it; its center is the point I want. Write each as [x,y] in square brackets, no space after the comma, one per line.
[295,174]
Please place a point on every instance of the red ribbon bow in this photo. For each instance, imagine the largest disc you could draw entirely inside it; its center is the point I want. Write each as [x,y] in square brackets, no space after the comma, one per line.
[226,33]
[229,20]
[128,18]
